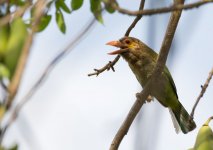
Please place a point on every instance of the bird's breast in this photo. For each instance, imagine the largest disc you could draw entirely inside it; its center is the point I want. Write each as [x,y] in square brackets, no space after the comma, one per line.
[141,66]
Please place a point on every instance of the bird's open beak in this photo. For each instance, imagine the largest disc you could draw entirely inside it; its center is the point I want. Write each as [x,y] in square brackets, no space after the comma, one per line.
[116,44]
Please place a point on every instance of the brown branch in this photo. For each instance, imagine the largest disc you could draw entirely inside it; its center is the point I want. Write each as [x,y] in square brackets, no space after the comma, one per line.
[13,87]
[136,19]
[111,64]
[203,90]
[154,78]
[160,10]
[107,67]
[130,117]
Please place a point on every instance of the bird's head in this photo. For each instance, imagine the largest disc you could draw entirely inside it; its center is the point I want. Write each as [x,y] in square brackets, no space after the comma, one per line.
[126,45]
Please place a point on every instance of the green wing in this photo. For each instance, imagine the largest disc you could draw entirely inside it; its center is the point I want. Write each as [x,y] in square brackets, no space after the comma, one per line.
[171,81]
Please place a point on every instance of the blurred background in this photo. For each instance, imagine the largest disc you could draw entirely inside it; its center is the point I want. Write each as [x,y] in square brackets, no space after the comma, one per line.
[72,111]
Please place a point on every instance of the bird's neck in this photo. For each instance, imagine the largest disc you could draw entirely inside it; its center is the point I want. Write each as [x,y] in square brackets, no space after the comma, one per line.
[130,58]
[141,64]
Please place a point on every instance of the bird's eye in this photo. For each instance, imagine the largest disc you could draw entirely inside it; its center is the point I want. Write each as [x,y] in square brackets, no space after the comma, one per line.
[127,41]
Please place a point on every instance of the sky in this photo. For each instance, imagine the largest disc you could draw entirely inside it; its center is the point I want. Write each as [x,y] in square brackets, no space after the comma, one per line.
[72,111]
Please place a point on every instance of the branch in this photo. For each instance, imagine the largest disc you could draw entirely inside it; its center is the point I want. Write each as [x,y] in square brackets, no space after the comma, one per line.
[107,67]
[154,78]
[130,117]
[45,74]
[136,19]
[203,90]
[111,64]
[160,10]
[17,13]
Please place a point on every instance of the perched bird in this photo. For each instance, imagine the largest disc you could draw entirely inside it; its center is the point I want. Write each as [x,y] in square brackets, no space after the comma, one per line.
[142,61]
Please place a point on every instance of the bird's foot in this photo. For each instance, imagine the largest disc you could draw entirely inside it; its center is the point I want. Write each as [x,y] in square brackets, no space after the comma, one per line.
[150,98]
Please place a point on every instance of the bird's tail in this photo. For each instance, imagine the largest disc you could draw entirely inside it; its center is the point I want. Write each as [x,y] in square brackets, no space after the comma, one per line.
[184,120]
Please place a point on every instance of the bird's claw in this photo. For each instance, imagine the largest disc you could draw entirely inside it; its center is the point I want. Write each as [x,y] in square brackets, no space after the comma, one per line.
[148,100]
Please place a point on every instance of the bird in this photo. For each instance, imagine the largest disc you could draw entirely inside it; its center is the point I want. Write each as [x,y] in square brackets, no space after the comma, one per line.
[142,60]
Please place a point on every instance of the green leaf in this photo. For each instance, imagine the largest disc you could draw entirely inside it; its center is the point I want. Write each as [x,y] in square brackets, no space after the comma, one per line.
[95,6]
[109,9]
[60,21]
[15,147]
[4,35]
[99,17]
[4,71]
[61,4]
[18,34]
[45,20]
[17,2]
[108,4]
[76,4]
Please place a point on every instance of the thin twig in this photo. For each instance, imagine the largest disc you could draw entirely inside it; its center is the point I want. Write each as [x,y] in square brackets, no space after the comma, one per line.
[45,74]
[154,78]
[107,67]
[203,90]
[160,10]
[136,19]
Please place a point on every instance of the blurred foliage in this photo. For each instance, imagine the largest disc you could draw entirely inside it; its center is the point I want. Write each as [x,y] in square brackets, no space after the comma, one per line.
[15,147]
[44,22]
[14,33]
[61,7]
[16,40]
[60,20]
[76,4]
[4,71]
[204,140]
[12,41]
[96,9]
